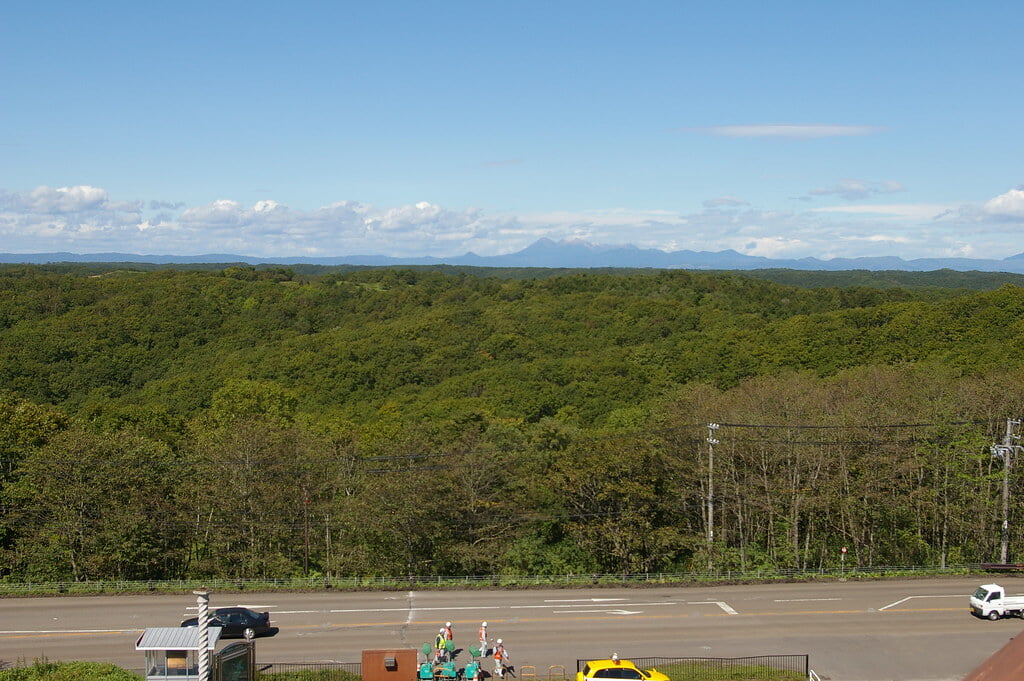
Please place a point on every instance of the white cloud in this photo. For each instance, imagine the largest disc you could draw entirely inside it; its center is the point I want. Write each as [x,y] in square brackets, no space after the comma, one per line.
[883,238]
[1008,205]
[788,130]
[915,211]
[76,214]
[772,246]
[267,206]
[65,199]
[853,190]
[219,214]
[605,217]
[345,227]
[726,201]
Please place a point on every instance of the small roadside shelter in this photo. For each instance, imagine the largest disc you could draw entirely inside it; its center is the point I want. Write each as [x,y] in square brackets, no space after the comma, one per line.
[172,653]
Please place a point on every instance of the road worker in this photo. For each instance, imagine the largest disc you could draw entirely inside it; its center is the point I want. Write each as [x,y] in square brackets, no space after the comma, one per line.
[500,658]
[482,637]
[441,646]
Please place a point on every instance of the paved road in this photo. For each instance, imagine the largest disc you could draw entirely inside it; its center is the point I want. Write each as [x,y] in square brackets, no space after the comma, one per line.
[913,630]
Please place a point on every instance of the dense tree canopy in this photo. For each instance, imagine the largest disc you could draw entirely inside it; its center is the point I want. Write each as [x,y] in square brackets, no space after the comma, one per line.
[162,423]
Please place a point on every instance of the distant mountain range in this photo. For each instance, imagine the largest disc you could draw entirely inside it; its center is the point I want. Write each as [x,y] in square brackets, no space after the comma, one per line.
[564,254]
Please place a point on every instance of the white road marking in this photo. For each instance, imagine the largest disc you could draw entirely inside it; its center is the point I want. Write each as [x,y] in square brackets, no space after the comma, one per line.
[904,600]
[803,600]
[251,607]
[581,600]
[466,607]
[631,605]
[721,604]
[69,631]
[610,612]
[891,605]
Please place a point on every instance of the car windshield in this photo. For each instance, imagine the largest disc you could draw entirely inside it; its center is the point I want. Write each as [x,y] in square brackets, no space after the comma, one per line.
[980,593]
[618,673]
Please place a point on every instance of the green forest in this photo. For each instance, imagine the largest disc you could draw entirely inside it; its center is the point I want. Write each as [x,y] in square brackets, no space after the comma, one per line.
[232,421]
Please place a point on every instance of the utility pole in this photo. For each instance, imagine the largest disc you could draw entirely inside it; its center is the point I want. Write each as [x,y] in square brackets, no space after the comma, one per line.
[712,427]
[1005,452]
[305,532]
[203,601]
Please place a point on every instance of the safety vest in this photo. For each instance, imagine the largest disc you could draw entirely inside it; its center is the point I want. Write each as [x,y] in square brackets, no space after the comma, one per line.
[499,652]
[439,642]
[483,633]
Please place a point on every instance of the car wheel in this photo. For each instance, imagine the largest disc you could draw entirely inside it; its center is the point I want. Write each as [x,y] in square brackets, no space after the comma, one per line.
[993,615]
[249,633]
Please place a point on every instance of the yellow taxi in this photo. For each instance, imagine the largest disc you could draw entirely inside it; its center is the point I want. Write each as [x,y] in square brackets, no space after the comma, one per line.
[615,668]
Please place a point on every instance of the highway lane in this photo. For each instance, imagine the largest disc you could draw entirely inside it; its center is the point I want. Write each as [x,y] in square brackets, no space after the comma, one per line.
[914,630]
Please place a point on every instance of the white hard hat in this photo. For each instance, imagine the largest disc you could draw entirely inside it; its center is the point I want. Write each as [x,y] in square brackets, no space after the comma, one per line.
[441,630]
[483,624]
[447,624]
[499,640]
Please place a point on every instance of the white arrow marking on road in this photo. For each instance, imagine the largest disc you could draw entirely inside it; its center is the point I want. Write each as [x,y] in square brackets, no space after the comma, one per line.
[581,600]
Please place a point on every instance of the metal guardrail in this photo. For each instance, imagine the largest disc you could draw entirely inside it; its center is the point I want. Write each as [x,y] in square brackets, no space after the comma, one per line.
[13,588]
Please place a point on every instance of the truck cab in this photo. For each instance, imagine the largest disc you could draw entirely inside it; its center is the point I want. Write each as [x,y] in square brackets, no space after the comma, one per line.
[991,602]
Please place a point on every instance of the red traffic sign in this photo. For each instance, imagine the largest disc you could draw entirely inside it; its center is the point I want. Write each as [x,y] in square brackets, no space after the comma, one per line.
[844,549]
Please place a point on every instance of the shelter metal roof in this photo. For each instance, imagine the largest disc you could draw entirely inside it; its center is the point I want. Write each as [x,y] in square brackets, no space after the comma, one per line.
[175,638]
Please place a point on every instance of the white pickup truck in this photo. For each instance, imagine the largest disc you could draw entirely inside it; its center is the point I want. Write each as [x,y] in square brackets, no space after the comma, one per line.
[991,601]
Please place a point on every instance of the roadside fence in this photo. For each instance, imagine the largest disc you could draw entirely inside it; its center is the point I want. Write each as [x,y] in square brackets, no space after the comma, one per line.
[689,668]
[321,671]
[710,668]
[322,583]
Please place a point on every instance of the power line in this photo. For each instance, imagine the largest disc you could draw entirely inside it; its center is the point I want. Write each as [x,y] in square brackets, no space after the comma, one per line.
[353,459]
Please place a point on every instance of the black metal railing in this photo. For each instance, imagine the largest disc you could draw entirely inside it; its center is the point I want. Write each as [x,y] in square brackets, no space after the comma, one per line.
[321,671]
[710,668]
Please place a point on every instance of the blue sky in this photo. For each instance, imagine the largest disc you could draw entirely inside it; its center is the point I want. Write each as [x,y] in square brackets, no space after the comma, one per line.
[785,129]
